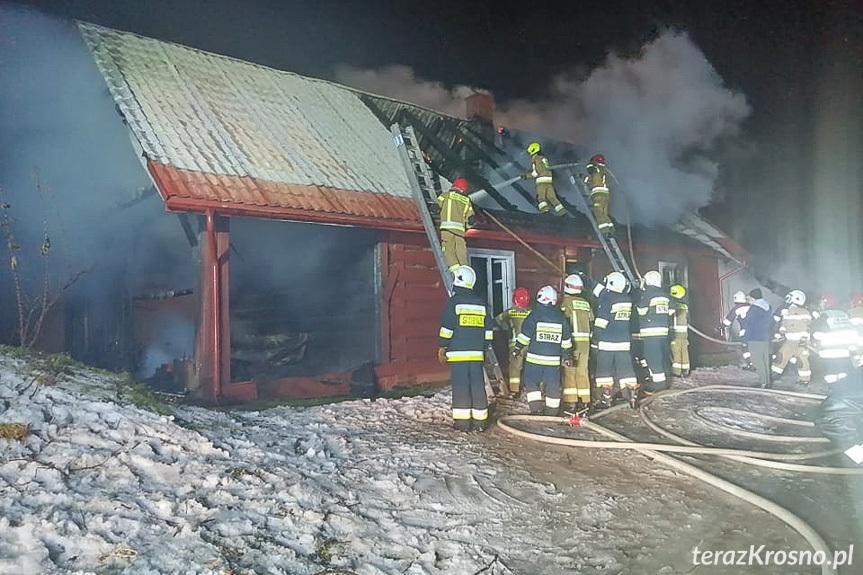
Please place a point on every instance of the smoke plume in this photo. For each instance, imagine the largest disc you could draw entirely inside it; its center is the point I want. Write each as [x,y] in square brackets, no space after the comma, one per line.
[660,118]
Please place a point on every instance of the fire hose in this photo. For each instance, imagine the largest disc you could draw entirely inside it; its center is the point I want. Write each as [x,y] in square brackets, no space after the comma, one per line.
[659,451]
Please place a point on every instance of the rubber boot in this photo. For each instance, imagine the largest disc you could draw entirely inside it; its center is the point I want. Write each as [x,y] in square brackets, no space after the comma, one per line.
[604,400]
[480,425]
[569,407]
[461,424]
[551,411]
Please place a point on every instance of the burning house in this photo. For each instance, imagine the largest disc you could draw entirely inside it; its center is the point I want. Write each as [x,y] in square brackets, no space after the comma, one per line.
[311,268]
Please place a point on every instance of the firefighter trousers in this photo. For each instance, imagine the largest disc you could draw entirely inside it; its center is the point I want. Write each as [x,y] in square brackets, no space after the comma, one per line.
[680,354]
[796,353]
[546,199]
[515,365]
[611,365]
[576,379]
[469,399]
[454,249]
[534,376]
[654,355]
[600,211]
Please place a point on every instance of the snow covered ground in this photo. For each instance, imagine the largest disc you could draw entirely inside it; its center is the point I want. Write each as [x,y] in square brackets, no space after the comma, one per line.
[364,487]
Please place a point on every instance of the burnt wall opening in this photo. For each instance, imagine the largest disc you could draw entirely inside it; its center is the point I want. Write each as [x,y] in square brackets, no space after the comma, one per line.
[302,298]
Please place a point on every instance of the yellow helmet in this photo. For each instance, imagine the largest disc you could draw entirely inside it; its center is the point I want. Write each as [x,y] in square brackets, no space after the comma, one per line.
[533,148]
[678,291]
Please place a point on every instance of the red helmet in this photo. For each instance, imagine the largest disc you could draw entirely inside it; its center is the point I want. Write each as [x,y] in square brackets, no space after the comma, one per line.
[598,159]
[857,299]
[460,185]
[521,297]
[828,300]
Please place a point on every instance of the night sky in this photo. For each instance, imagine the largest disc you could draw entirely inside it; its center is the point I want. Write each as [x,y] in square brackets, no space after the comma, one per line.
[798,63]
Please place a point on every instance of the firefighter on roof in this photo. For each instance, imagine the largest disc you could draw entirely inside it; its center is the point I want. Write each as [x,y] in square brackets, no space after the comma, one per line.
[541,174]
[576,379]
[793,332]
[545,333]
[456,217]
[611,336]
[597,184]
[466,330]
[511,320]
[680,339]
[653,308]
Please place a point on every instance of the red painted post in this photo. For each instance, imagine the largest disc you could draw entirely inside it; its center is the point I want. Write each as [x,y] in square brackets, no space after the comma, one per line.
[215,319]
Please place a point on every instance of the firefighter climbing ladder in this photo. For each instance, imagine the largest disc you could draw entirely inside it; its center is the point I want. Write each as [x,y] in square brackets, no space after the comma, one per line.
[422,186]
[609,244]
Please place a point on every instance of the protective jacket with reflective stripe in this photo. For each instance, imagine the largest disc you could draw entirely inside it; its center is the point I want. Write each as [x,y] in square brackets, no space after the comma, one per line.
[466,326]
[512,319]
[540,170]
[794,323]
[597,179]
[652,306]
[680,315]
[611,329]
[580,315]
[455,211]
[546,334]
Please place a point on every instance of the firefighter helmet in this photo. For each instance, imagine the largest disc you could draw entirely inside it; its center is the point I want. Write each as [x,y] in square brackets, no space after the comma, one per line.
[533,148]
[857,300]
[573,284]
[653,278]
[459,184]
[546,295]
[739,297]
[828,300]
[616,282]
[521,297]
[677,291]
[796,297]
[598,159]
[463,276]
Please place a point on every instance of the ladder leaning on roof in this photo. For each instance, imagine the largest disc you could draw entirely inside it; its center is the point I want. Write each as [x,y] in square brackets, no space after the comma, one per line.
[422,186]
[609,244]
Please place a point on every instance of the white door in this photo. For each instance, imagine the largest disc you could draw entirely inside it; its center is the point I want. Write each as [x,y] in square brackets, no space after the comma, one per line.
[495,276]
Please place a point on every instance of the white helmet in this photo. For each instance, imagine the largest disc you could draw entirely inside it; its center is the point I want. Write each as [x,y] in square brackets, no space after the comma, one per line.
[573,284]
[615,281]
[546,295]
[463,276]
[739,297]
[796,297]
[653,278]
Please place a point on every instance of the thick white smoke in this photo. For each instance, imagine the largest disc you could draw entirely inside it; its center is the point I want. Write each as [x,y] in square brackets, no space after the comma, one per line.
[660,118]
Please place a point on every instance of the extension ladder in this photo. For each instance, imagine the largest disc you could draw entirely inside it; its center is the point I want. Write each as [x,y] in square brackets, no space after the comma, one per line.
[423,188]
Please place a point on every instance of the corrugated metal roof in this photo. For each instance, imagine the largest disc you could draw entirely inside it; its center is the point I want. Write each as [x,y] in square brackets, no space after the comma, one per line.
[218,115]
[252,197]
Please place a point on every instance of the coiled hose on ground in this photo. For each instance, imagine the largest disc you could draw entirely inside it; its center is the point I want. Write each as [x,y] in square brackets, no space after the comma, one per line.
[657,451]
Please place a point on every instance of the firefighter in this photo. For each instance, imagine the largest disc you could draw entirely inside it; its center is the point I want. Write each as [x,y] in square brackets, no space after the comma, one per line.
[456,217]
[611,338]
[511,319]
[679,311]
[541,173]
[793,334]
[466,330]
[653,308]
[545,333]
[576,378]
[840,415]
[833,343]
[855,314]
[736,314]
[597,184]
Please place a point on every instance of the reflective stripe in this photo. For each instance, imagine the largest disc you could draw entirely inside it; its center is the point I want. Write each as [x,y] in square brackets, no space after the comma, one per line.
[469,308]
[833,353]
[522,339]
[776,369]
[534,396]
[559,208]
[542,205]
[580,335]
[552,402]
[454,226]
[681,329]
[458,413]
[614,345]
[479,414]
[796,335]
[798,316]
[570,391]
[726,322]
[489,335]
[445,333]
[604,381]
[542,359]
[515,379]
[544,179]
[465,355]
[599,190]
[804,373]
[834,377]
[629,381]
[601,322]
[607,225]
[653,331]
[658,377]
[566,344]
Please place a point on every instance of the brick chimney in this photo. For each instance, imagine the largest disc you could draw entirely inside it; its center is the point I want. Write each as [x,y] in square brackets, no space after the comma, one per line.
[480,106]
